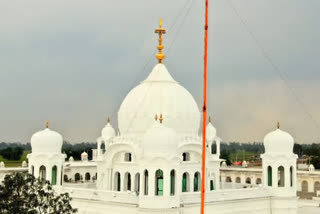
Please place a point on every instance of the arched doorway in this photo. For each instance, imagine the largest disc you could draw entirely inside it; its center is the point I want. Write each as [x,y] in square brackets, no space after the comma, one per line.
[248,180]
[87,176]
[258,181]
[269,176]
[146,180]
[172,182]
[137,183]
[316,186]
[54,175]
[238,180]
[43,173]
[280,176]
[77,177]
[117,182]
[159,182]
[214,147]
[127,181]
[65,178]
[228,179]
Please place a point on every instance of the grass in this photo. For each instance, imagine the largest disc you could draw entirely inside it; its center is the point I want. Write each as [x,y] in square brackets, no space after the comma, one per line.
[15,163]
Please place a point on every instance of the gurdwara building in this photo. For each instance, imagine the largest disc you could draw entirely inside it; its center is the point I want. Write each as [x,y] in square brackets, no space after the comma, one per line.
[153,164]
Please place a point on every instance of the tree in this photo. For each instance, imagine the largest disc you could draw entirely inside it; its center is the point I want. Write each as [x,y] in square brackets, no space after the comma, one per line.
[22,193]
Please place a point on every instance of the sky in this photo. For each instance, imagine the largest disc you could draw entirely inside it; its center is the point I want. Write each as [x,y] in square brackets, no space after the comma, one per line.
[73,62]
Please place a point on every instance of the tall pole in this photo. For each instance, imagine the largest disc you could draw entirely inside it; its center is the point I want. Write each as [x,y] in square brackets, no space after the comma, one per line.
[204,110]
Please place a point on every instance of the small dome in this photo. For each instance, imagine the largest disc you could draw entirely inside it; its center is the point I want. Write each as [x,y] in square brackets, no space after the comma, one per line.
[46,141]
[278,142]
[160,141]
[244,164]
[2,165]
[311,168]
[84,156]
[108,132]
[24,164]
[211,132]
[224,164]
[71,159]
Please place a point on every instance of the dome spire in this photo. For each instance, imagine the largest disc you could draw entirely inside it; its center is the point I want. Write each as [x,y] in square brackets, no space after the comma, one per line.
[160,56]
[47,124]
[156,117]
[161,118]
[108,120]
[210,119]
[278,125]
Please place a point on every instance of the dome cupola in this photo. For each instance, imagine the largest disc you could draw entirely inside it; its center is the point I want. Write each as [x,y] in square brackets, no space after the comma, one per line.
[211,131]
[160,141]
[46,141]
[108,132]
[278,142]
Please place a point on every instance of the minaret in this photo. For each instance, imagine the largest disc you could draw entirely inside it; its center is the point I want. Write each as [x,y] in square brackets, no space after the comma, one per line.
[160,56]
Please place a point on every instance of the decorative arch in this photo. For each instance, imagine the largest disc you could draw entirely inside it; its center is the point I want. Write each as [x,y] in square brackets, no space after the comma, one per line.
[186,156]
[65,178]
[228,179]
[214,147]
[159,182]
[137,183]
[127,181]
[54,175]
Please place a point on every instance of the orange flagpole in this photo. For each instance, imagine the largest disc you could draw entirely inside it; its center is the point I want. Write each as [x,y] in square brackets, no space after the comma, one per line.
[204,110]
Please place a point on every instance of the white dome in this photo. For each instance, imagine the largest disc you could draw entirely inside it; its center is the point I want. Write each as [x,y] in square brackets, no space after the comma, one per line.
[108,132]
[159,94]
[211,132]
[46,141]
[160,141]
[278,142]
[71,158]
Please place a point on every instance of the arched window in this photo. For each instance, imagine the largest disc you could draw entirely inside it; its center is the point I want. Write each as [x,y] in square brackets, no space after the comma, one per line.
[258,181]
[316,186]
[185,182]
[196,182]
[137,183]
[77,177]
[269,176]
[238,180]
[211,185]
[186,156]
[228,179]
[304,186]
[87,176]
[280,176]
[248,180]
[65,178]
[127,157]
[159,182]
[117,182]
[214,147]
[172,182]
[146,180]
[54,175]
[43,173]
[291,176]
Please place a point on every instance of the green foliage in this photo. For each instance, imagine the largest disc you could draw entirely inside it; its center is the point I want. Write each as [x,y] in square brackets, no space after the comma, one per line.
[11,153]
[22,193]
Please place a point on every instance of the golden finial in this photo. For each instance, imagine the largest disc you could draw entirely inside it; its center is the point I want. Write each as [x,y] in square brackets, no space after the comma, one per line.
[156,117]
[108,120]
[161,118]
[47,124]
[160,56]
[278,125]
[209,119]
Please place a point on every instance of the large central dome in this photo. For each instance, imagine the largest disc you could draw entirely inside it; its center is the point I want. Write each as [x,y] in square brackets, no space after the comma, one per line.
[159,94]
